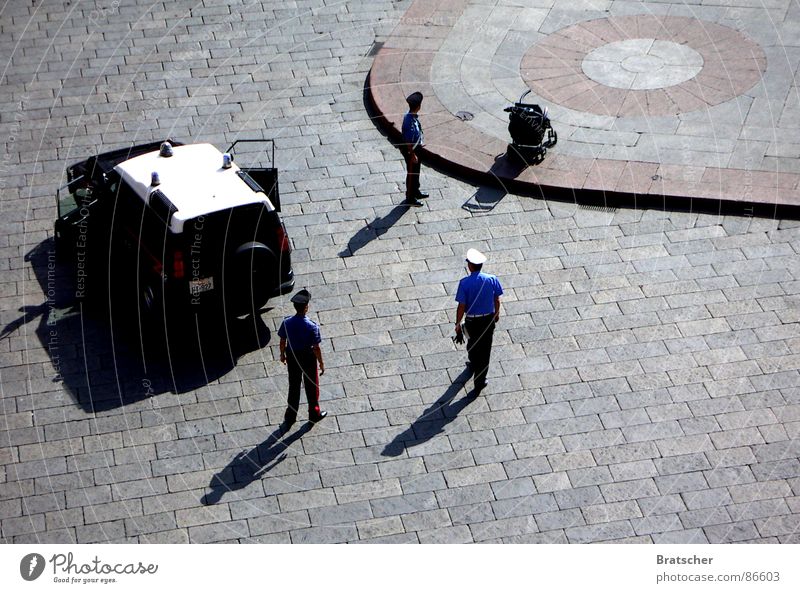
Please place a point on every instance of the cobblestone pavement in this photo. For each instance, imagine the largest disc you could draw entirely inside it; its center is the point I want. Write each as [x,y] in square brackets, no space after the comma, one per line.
[648,99]
[644,384]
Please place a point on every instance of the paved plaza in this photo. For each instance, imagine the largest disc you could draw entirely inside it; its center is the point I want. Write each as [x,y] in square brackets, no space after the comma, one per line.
[645,379]
[653,100]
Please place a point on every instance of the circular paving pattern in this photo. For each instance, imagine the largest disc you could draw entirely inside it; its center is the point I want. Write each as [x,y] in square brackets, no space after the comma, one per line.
[643,65]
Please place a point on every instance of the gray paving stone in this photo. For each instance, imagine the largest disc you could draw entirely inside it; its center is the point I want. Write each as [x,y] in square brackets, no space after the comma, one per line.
[502,528]
[398,505]
[758,509]
[734,532]
[338,514]
[703,499]
[633,470]
[652,431]
[306,500]
[691,444]
[728,476]
[513,488]
[527,467]
[630,490]
[736,438]
[743,493]
[349,475]
[597,438]
[459,534]
[426,520]
[328,534]
[567,426]
[552,482]
[771,470]
[175,536]
[22,525]
[682,463]
[150,524]
[657,524]
[269,524]
[686,536]
[661,505]
[600,533]
[604,513]
[100,532]
[471,513]
[376,528]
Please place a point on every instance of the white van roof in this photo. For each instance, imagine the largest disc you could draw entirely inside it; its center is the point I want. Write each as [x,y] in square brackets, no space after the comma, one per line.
[192,179]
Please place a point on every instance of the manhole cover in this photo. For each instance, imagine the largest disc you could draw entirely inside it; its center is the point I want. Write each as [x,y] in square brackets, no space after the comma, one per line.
[464,115]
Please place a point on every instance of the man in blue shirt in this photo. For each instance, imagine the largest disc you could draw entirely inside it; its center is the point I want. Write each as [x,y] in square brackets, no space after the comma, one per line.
[413,138]
[300,352]
[478,298]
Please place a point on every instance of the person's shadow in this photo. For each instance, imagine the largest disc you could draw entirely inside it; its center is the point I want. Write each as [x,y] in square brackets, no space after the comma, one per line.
[249,466]
[373,230]
[433,420]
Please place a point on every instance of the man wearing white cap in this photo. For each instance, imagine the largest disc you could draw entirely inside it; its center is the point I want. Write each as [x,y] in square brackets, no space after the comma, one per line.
[478,298]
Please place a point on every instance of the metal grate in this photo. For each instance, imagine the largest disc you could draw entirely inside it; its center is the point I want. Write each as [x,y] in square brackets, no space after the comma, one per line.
[596,208]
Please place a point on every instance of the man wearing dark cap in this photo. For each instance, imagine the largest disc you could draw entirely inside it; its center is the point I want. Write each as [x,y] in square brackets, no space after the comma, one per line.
[478,298]
[413,138]
[300,351]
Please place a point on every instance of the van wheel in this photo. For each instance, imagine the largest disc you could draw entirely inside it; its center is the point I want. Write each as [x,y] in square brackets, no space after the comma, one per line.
[250,279]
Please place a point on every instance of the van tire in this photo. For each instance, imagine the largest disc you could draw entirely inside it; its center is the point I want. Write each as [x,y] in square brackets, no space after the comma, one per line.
[250,279]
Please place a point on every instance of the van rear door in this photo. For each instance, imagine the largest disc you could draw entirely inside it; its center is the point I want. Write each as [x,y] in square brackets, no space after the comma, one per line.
[253,155]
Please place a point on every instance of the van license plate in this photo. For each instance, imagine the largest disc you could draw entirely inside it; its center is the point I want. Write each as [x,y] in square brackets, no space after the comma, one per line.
[201,285]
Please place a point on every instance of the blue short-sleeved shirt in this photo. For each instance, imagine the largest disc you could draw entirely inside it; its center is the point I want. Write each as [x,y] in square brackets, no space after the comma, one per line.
[300,332]
[477,292]
[412,129]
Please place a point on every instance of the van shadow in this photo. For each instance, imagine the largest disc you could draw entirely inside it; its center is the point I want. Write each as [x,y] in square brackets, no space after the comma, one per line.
[102,357]
[247,467]
[373,231]
[433,420]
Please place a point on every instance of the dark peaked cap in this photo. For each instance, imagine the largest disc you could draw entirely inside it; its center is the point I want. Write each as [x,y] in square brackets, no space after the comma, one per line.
[302,297]
[414,99]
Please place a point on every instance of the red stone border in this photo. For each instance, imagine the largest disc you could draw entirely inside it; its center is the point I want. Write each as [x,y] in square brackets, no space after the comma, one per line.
[732,64]
[403,65]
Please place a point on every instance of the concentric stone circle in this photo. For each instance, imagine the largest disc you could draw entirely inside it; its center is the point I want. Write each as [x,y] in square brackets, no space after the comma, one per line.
[641,65]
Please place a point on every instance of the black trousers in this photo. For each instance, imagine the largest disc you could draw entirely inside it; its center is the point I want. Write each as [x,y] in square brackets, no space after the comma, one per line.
[412,173]
[302,367]
[480,333]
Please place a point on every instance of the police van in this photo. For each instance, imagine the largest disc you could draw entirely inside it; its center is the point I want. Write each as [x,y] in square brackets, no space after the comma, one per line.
[179,228]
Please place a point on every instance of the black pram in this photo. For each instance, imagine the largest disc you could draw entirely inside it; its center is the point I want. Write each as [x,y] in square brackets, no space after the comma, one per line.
[528,124]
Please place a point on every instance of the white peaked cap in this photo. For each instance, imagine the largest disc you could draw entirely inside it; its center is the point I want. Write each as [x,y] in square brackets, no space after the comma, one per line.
[475,257]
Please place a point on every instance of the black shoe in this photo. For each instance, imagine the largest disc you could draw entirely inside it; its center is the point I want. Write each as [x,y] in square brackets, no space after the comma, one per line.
[421,195]
[481,386]
[315,419]
[289,420]
[413,202]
